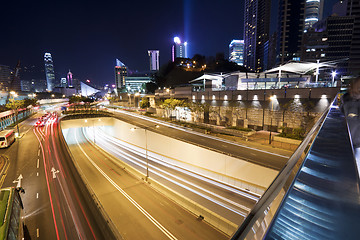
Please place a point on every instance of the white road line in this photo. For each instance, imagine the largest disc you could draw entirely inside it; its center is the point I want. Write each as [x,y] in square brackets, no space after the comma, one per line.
[39,152]
[143,211]
[37,174]
[37,233]
[37,164]
[37,195]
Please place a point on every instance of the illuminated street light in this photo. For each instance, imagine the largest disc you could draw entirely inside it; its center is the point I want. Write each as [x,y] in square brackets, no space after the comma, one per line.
[272,98]
[333,74]
[146,149]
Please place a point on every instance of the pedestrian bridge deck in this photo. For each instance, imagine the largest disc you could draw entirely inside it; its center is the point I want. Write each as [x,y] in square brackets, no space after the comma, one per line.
[321,186]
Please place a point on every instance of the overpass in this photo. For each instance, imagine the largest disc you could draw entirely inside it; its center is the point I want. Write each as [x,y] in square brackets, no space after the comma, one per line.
[316,195]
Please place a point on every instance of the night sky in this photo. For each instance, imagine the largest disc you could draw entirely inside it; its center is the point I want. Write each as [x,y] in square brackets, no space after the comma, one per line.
[87,36]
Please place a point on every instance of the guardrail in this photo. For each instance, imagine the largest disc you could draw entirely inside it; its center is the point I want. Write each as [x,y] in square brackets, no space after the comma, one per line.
[257,222]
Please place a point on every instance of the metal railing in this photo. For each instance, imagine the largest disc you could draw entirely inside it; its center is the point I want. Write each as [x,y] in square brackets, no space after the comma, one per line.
[257,222]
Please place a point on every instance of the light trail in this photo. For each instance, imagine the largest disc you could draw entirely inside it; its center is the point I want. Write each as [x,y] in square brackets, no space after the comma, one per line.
[139,162]
[131,200]
[48,186]
[138,150]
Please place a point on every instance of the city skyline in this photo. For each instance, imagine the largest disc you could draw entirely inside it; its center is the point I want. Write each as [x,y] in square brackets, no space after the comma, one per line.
[84,39]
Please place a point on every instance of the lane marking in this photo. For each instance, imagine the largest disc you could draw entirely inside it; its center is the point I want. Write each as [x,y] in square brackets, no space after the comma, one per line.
[38,162]
[37,174]
[142,210]
[37,195]
[37,233]
[39,152]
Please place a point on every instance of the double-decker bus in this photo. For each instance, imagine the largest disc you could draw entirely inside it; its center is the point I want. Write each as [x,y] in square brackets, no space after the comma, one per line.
[11,214]
[7,137]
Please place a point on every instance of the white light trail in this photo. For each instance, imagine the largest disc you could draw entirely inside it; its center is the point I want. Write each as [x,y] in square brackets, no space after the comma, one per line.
[131,200]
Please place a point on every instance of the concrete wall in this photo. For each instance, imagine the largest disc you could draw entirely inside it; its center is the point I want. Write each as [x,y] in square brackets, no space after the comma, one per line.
[204,161]
[190,156]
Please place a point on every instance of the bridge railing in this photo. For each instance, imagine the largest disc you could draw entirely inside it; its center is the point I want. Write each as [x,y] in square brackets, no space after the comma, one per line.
[257,222]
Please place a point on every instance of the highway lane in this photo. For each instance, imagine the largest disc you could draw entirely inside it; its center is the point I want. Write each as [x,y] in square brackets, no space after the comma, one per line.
[23,155]
[54,207]
[225,200]
[137,210]
[257,156]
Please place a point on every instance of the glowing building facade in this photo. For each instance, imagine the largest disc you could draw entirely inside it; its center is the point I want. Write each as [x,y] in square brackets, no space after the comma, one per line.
[120,74]
[69,79]
[313,12]
[178,49]
[236,52]
[256,33]
[154,60]
[49,71]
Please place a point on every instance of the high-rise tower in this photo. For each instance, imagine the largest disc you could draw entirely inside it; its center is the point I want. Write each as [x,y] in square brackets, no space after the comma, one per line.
[120,74]
[353,9]
[313,12]
[236,51]
[256,33]
[290,30]
[69,79]
[154,60]
[178,49]
[49,71]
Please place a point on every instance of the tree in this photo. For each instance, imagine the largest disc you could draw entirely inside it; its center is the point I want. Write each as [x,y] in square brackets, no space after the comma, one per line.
[15,105]
[145,103]
[170,104]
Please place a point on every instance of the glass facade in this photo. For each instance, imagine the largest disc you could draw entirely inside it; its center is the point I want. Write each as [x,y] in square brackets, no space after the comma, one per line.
[236,52]
[49,71]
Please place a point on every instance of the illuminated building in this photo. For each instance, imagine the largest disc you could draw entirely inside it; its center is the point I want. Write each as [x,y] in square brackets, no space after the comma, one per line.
[236,52]
[5,77]
[290,30]
[178,49]
[256,33]
[49,71]
[120,74]
[69,79]
[154,60]
[313,12]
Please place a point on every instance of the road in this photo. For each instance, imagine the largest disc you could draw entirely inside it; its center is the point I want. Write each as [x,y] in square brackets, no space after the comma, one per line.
[54,206]
[137,210]
[257,156]
[227,201]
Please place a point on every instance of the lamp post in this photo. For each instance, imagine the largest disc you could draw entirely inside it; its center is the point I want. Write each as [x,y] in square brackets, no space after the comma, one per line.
[146,149]
[333,74]
[272,98]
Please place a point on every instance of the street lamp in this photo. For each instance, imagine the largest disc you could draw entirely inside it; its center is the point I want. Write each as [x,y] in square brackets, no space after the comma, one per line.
[146,149]
[333,74]
[272,98]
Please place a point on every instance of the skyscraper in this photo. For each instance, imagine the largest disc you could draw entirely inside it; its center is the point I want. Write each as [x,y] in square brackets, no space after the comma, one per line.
[49,71]
[313,12]
[353,9]
[290,30]
[178,49]
[69,79]
[256,33]
[236,51]
[154,60]
[120,74]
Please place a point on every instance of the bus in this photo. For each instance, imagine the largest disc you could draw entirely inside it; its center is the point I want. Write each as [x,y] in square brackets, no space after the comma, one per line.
[11,214]
[7,137]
